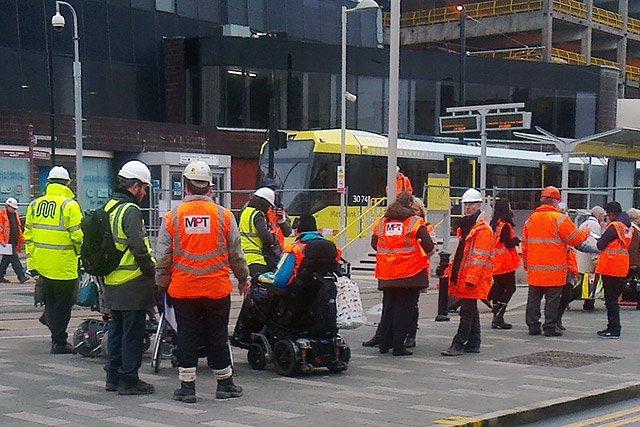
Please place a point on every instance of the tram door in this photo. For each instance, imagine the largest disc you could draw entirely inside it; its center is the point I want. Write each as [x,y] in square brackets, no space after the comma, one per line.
[462,173]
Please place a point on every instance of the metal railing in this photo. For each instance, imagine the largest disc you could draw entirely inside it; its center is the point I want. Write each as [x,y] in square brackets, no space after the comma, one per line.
[368,217]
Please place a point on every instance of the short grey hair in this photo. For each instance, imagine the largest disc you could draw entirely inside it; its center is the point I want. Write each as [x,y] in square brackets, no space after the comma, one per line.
[597,210]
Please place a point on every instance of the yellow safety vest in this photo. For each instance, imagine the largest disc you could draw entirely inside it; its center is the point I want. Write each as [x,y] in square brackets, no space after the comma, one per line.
[52,233]
[250,242]
[128,269]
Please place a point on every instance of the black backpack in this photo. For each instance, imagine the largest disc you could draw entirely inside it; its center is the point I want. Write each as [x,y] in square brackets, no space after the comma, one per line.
[98,252]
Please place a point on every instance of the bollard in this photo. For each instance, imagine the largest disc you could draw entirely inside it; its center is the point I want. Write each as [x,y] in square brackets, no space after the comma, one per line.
[443,288]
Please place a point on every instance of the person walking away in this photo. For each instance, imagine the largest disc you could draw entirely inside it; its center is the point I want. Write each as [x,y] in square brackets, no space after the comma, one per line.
[260,246]
[402,243]
[470,273]
[546,235]
[11,233]
[506,262]
[403,183]
[587,261]
[129,290]
[279,222]
[613,265]
[53,239]
[198,246]
[634,250]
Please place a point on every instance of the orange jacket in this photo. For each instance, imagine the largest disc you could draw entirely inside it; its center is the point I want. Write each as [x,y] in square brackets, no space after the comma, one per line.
[545,237]
[573,263]
[505,259]
[403,183]
[476,266]
[200,260]
[614,259]
[272,221]
[399,254]
[5,230]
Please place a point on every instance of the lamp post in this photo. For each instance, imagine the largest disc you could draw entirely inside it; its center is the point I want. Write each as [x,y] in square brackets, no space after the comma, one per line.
[346,96]
[58,22]
[394,81]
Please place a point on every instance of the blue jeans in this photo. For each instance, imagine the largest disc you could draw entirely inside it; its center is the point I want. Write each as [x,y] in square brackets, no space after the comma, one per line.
[125,344]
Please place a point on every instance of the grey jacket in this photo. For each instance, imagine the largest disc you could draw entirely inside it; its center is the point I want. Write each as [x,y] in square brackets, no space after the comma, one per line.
[164,250]
[139,293]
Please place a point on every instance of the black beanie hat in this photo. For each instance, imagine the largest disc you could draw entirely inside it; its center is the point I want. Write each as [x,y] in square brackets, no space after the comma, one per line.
[306,222]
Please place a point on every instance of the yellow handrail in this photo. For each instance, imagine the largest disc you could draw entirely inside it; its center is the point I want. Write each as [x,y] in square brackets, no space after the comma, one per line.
[359,218]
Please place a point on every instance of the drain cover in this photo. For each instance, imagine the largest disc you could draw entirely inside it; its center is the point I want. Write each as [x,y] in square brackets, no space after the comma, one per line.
[558,359]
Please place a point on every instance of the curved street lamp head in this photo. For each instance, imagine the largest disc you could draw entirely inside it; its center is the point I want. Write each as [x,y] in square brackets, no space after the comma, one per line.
[57,21]
[460,8]
[366,4]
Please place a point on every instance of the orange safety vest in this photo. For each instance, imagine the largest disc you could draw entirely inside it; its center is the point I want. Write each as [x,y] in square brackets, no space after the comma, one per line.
[274,227]
[399,254]
[5,229]
[505,259]
[614,259]
[545,237]
[476,266]
[200,260]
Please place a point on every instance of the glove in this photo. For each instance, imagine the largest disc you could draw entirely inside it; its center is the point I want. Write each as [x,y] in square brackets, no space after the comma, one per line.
[38,294]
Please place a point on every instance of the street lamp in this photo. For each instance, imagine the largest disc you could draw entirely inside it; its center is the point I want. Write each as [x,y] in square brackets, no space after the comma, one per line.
[346,96]
[58,22]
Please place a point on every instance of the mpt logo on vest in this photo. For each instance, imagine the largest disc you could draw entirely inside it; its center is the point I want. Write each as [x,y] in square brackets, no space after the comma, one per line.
[197,224]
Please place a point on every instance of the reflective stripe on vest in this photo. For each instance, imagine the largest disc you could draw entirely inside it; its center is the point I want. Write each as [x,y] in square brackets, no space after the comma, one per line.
[614,259]
[405,258]
[505,259]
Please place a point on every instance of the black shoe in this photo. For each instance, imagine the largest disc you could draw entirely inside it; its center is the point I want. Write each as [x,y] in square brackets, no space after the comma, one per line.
[555,333]
[402,352]
[23,279]
[65,348]
[372,342]
[383,350]
[186,393]
[608,334]
[501,325]
[111,387]
[410,342]
[453,351]
[589,305]
[227,389]
[468,349]
[535,332]
[139,387]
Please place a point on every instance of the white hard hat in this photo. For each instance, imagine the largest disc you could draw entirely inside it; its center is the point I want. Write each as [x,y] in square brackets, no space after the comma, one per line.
[198,171]
[472,196]
[135,169]
[11,202]
[58,172]
[266,193]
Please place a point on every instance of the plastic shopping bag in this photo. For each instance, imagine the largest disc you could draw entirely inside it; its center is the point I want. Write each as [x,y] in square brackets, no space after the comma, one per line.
[350,314]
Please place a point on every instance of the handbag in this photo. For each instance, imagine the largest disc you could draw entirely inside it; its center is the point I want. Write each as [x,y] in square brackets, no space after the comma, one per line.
[87,293]
[350,313]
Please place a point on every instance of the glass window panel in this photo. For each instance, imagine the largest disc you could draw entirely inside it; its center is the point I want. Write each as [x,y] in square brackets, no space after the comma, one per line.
[257,15]
[34,75]
[166,6]
[233,96]
[120,35]
[32,24]
[541,106]
[585,119]
[123,91]
[96,86]
[143,38]
[237,12]
[370,104]
[330,26]
[144,4]
[9,25]
[319,103]
[96,46]
[147,89]
[10,83]
[126,3]
[425,107]
[188,27]
[565,114]
[311,12]
[188,8]
[209,10]
[260,91]
[294,101]
[63,83]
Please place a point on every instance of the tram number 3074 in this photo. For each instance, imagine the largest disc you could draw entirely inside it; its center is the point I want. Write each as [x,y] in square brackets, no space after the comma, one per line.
[360,199]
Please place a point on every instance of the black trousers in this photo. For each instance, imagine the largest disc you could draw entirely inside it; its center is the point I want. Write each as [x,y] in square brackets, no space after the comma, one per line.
[14,260]
[504,286]
[552,295]
[203,321]
[57,310]
[125,344]
[398,316]
[468,334]
[613,287]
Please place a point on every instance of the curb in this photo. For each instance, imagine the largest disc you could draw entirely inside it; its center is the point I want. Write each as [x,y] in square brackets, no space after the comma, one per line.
[552,408]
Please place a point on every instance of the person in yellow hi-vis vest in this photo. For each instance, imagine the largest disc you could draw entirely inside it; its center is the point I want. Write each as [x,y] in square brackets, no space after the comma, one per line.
[52,243]
[130,289]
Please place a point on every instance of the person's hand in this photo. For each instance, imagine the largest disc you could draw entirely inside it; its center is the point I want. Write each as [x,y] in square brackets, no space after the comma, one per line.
[243,287]
[280,215]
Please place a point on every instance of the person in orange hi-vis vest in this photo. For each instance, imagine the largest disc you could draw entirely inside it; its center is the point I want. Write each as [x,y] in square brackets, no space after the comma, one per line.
[402,243]
[11,233]
[505,263]
[198,246]
[470,273]
[403,183]
[613,265]
[545,237]
[572,276]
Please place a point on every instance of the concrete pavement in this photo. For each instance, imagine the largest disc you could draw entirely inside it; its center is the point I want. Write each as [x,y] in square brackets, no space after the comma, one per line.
[515,379]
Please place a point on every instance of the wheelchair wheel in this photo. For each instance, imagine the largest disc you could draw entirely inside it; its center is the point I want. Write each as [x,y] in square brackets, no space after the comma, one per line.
[286,358]
[158,345]
[256,357]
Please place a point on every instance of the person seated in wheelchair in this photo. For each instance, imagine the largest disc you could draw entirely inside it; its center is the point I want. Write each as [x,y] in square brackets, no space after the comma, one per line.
[295,282]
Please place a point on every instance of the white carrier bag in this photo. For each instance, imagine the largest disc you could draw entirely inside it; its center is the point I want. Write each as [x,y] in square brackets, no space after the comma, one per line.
[350,314]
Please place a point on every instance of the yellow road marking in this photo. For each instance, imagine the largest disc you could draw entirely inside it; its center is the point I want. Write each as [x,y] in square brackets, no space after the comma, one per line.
[608,417]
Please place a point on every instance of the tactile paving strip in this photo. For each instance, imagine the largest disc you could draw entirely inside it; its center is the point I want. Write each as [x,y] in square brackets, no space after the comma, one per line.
[558,359]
